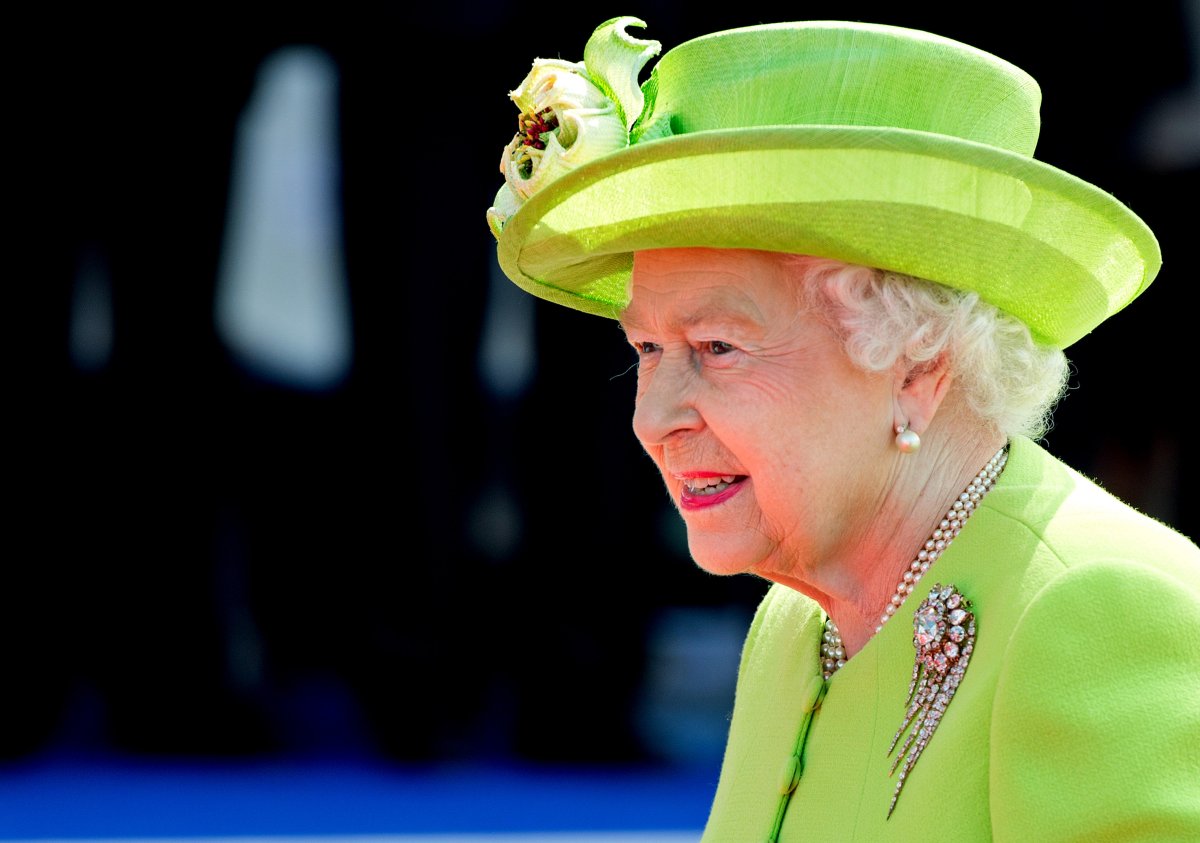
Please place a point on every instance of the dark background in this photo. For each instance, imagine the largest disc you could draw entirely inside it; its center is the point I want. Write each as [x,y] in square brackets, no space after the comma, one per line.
[212,561]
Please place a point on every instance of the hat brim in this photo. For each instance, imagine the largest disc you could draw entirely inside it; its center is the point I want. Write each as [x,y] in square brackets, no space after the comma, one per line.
[1049,248]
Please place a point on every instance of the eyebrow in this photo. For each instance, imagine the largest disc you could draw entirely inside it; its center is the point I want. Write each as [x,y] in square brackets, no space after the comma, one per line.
[711,312]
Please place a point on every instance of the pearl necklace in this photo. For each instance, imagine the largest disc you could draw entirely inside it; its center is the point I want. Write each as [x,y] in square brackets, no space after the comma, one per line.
[833,653]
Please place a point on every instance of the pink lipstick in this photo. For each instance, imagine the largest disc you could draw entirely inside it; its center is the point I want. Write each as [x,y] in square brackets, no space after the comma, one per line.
[704,489]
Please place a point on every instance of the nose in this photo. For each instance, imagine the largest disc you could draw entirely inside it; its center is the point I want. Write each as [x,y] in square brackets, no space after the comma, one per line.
[665,404]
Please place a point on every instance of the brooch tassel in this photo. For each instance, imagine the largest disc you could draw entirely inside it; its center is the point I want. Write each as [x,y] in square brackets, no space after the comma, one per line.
[944,637]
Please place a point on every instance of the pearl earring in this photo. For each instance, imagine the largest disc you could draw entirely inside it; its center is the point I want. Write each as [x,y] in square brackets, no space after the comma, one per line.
[907,441]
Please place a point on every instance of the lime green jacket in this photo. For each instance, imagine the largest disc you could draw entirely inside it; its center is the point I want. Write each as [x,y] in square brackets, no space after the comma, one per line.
[1078,717]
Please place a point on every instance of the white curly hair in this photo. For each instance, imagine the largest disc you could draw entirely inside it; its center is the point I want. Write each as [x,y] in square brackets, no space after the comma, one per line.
[1007,378]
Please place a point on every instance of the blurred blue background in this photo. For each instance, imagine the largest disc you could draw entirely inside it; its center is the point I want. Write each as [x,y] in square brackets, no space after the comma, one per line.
[323,528]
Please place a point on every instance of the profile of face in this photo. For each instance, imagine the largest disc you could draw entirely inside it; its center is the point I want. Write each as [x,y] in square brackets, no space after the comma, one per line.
[773,446]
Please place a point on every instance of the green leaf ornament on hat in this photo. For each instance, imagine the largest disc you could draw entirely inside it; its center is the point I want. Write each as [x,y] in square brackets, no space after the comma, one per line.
[872,144]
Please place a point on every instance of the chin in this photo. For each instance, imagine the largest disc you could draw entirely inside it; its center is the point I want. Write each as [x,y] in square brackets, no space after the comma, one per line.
[722,555]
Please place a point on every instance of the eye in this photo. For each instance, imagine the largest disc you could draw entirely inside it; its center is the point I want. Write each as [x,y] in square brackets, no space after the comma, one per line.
[718,347]
[644,348]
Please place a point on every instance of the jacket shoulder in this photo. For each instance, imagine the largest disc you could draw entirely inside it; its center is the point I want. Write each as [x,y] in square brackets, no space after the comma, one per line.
[1079,523]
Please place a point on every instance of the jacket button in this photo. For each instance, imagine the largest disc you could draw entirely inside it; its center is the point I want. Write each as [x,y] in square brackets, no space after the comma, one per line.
[790,775]
[812,692]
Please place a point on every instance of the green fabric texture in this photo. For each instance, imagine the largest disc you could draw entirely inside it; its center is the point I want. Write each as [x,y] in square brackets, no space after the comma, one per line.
[1078,717]
[871,144]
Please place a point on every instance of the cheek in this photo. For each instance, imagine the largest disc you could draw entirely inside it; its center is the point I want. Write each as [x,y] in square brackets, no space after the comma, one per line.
[763,414]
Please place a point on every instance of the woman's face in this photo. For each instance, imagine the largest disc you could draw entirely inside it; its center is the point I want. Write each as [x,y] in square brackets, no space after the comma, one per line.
[772,444]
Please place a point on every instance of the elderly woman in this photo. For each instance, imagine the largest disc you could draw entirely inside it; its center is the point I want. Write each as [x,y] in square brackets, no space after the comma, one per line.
[849,286]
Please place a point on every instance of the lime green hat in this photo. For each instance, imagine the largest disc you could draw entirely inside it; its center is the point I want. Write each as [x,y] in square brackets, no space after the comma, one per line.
[871,144]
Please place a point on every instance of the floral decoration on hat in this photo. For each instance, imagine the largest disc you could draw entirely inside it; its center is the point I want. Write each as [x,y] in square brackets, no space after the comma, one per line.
[572,113]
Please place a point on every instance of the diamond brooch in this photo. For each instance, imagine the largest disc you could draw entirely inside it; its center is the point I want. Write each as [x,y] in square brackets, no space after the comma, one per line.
[944,636]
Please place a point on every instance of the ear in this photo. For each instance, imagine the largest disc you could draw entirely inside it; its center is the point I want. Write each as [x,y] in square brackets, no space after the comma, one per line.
[919,391]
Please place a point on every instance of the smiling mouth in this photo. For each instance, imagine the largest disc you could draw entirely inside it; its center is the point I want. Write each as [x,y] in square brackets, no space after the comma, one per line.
[708,486]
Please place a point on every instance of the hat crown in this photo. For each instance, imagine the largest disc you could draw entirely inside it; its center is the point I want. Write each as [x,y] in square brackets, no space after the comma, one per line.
[834,73]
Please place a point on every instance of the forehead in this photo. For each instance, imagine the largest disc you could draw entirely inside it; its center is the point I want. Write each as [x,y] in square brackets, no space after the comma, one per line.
[687,286]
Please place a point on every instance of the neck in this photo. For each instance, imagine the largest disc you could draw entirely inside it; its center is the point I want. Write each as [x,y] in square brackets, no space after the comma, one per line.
[856,583]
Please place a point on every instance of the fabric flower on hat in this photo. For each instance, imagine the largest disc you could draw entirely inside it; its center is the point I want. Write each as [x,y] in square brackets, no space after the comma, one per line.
[572,113]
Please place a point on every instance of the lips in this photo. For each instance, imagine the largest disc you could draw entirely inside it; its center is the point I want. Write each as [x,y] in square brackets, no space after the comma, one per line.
[705,489]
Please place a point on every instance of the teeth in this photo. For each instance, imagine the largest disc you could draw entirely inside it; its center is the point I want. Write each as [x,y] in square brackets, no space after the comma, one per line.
[709,485]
